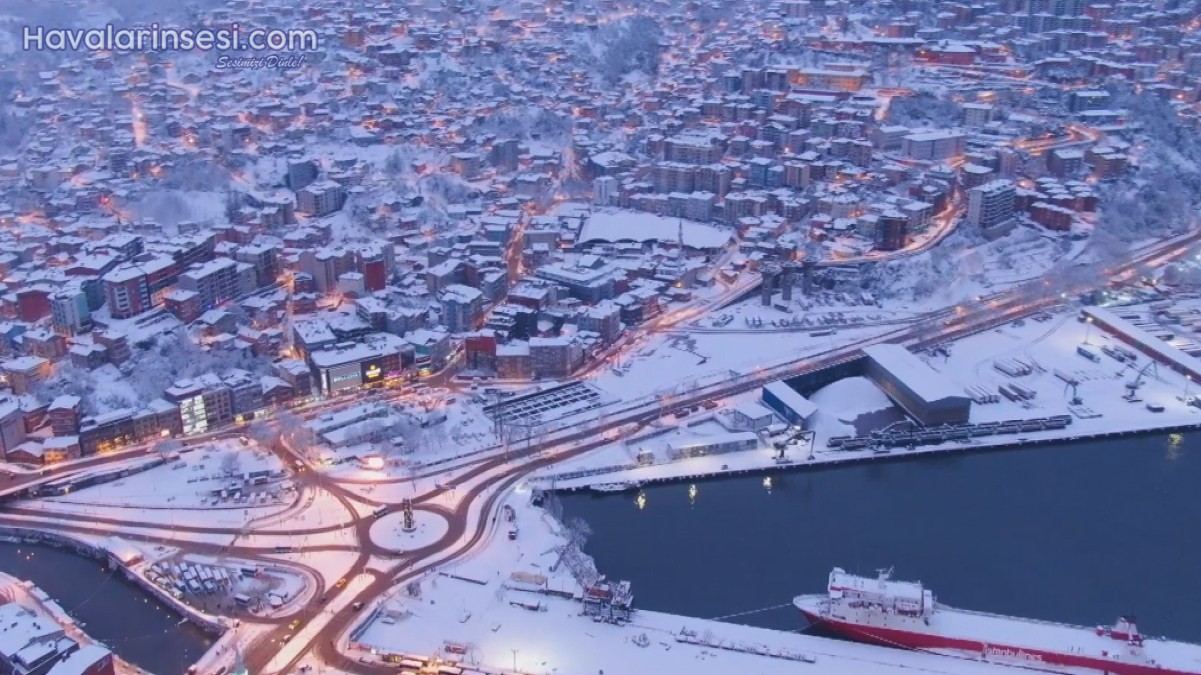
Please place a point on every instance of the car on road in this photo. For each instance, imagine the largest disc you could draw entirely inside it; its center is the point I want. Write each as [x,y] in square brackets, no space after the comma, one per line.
[341,583]
[357,605]
[294,625]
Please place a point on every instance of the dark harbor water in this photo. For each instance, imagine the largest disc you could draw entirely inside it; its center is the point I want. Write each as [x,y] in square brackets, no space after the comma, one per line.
[1079,533]
[131,622]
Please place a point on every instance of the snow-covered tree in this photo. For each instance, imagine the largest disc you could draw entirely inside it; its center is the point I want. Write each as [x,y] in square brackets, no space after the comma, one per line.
[923,109]
[231,463]
[1162,196]
[168,446]
[171,356]
[395,164]
[292,428]
[263,433]
[628,45]
[577,531]
[412,435]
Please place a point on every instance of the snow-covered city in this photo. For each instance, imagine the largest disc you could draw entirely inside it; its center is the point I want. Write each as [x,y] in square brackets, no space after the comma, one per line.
[574,337]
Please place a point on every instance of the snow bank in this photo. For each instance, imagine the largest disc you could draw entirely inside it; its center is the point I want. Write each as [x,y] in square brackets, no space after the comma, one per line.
[840,403]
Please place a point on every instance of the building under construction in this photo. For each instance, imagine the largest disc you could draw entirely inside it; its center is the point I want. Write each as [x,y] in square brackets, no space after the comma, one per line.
[609,601]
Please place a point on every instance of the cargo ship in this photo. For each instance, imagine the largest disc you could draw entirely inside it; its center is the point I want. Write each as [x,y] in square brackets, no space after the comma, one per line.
[904,614]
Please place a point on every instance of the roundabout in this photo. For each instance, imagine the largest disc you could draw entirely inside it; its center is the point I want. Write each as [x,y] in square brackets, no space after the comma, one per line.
[389,531]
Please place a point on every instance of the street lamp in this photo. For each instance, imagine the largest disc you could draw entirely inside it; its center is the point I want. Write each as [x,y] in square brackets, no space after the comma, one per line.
[514,659]
[1088,328]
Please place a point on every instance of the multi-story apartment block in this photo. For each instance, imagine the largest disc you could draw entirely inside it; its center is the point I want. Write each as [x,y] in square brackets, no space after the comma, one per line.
[321,198]
[933,145]
[218,281]
[127,292]
[991,207]
[69,311]
[461,307]
[555,357]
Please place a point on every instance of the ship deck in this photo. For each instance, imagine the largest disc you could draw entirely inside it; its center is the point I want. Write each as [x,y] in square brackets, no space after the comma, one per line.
[1030,634]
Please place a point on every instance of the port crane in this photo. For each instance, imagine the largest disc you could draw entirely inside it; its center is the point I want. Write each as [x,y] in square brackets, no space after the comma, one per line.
[798,434]
[1072,384]
[1133,385]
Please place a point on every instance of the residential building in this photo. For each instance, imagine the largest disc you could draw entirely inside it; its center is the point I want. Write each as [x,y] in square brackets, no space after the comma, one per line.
[461,308]
[320,198]
[991,207]
[892,231]
[65,413]
[554,357]
[933,145]
[127,292]
[12,424]
[604,191]
[204,403]
[217,281]
[69,311]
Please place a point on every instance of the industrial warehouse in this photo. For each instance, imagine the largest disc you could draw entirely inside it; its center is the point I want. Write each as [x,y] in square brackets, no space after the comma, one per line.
[921,392]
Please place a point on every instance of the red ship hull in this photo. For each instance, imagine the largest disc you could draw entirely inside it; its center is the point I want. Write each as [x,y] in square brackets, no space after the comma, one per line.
[1033,658]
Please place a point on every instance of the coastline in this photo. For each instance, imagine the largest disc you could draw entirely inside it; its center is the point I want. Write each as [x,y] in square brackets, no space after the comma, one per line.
[763,459]
[217,627]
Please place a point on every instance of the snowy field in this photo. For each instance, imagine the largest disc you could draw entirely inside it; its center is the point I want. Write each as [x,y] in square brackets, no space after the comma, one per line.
[957,272]
[804,313]
[672,362]
[465,430]
[611,224]
[176,492]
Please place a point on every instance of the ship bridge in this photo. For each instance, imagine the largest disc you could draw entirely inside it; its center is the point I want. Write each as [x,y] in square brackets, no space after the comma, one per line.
[903,597]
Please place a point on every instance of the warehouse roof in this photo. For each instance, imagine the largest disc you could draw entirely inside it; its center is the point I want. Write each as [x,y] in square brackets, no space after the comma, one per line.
[925,382]
[789,397]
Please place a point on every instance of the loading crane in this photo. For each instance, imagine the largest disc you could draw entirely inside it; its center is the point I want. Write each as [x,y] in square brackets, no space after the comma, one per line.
[798,434]
[1072,384]
[1133,385]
